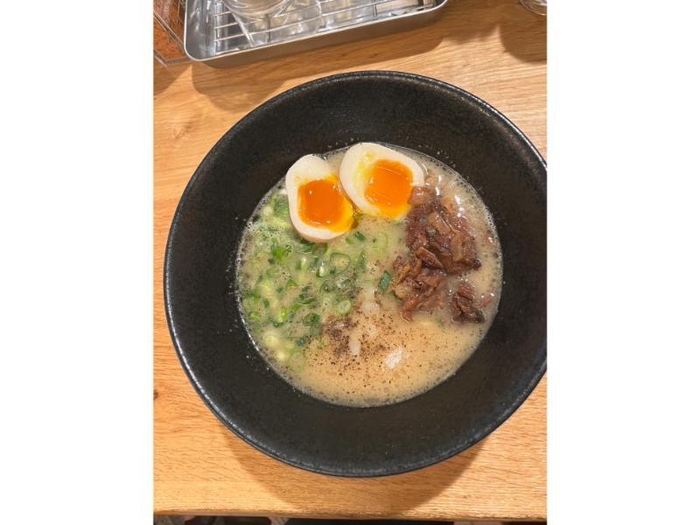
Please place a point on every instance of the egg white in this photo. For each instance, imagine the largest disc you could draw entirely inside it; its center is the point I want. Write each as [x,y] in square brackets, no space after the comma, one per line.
[358,159]
[308,168]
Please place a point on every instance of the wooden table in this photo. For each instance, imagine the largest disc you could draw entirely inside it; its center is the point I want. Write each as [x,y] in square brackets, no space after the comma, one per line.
[494,49]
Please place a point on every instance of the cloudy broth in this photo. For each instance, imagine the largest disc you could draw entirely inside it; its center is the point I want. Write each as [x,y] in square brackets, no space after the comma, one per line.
[324,318]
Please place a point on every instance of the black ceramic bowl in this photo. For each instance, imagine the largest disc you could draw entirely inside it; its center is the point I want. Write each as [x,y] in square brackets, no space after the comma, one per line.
[213,345]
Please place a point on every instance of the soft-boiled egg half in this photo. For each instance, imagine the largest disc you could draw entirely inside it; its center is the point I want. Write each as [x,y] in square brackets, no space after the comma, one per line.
[379,180]
[318,207]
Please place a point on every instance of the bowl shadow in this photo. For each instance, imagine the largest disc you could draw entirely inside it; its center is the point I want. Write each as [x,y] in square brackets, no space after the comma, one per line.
[391,495]
[238,88]
[164,76]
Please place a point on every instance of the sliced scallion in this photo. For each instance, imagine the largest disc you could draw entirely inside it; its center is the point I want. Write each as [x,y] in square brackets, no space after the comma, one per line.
[311,319]
[339,262]
[384,281]
[343,306]
[324,269]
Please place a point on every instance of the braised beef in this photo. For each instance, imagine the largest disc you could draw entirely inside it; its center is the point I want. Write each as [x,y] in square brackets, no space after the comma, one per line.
[441,244]
[426,291]
[430,279]
[421,195]
[438,222]
[405,268]
[430,225]
[463,307]
[428,258]
[419,241]
[405,288]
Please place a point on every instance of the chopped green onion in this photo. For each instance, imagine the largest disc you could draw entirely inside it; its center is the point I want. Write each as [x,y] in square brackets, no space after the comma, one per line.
[281,206]
[280,223]
[305,298]
[249,303]
[314,264]
[264,289]
[311,319]
[384,281]
[303,263]
[343,306]
[255,317]
[281,252]
[273,271]
[339,262]
[323,269]
[345,284]
[327,302]
[327,286]
[293,310]
[319,249]
[301,284]
[281,316]
[306,246]
[362,262]
[253,293]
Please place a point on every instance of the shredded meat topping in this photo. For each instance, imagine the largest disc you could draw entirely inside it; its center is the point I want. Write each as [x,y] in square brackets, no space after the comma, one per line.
[463,307]
[441,244]
[426,291]
[441,232]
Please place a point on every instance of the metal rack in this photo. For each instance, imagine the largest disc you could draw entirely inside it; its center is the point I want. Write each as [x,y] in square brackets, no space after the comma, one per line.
[213,34]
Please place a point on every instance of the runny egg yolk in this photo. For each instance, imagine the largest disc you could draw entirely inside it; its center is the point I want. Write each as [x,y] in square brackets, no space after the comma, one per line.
[322,204]
[389,187]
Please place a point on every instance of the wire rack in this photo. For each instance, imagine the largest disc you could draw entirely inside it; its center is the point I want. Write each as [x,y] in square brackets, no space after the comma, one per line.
[227,34]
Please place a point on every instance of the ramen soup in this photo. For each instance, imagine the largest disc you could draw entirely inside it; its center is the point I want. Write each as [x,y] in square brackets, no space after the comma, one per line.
[391,297]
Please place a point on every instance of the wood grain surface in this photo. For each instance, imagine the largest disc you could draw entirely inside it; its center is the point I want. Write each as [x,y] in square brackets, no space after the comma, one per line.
[497,51]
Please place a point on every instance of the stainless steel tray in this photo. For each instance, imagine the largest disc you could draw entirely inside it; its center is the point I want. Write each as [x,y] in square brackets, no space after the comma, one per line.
[213,36]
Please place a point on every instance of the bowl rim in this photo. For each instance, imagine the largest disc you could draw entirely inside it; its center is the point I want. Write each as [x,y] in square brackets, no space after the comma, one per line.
[202,168]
